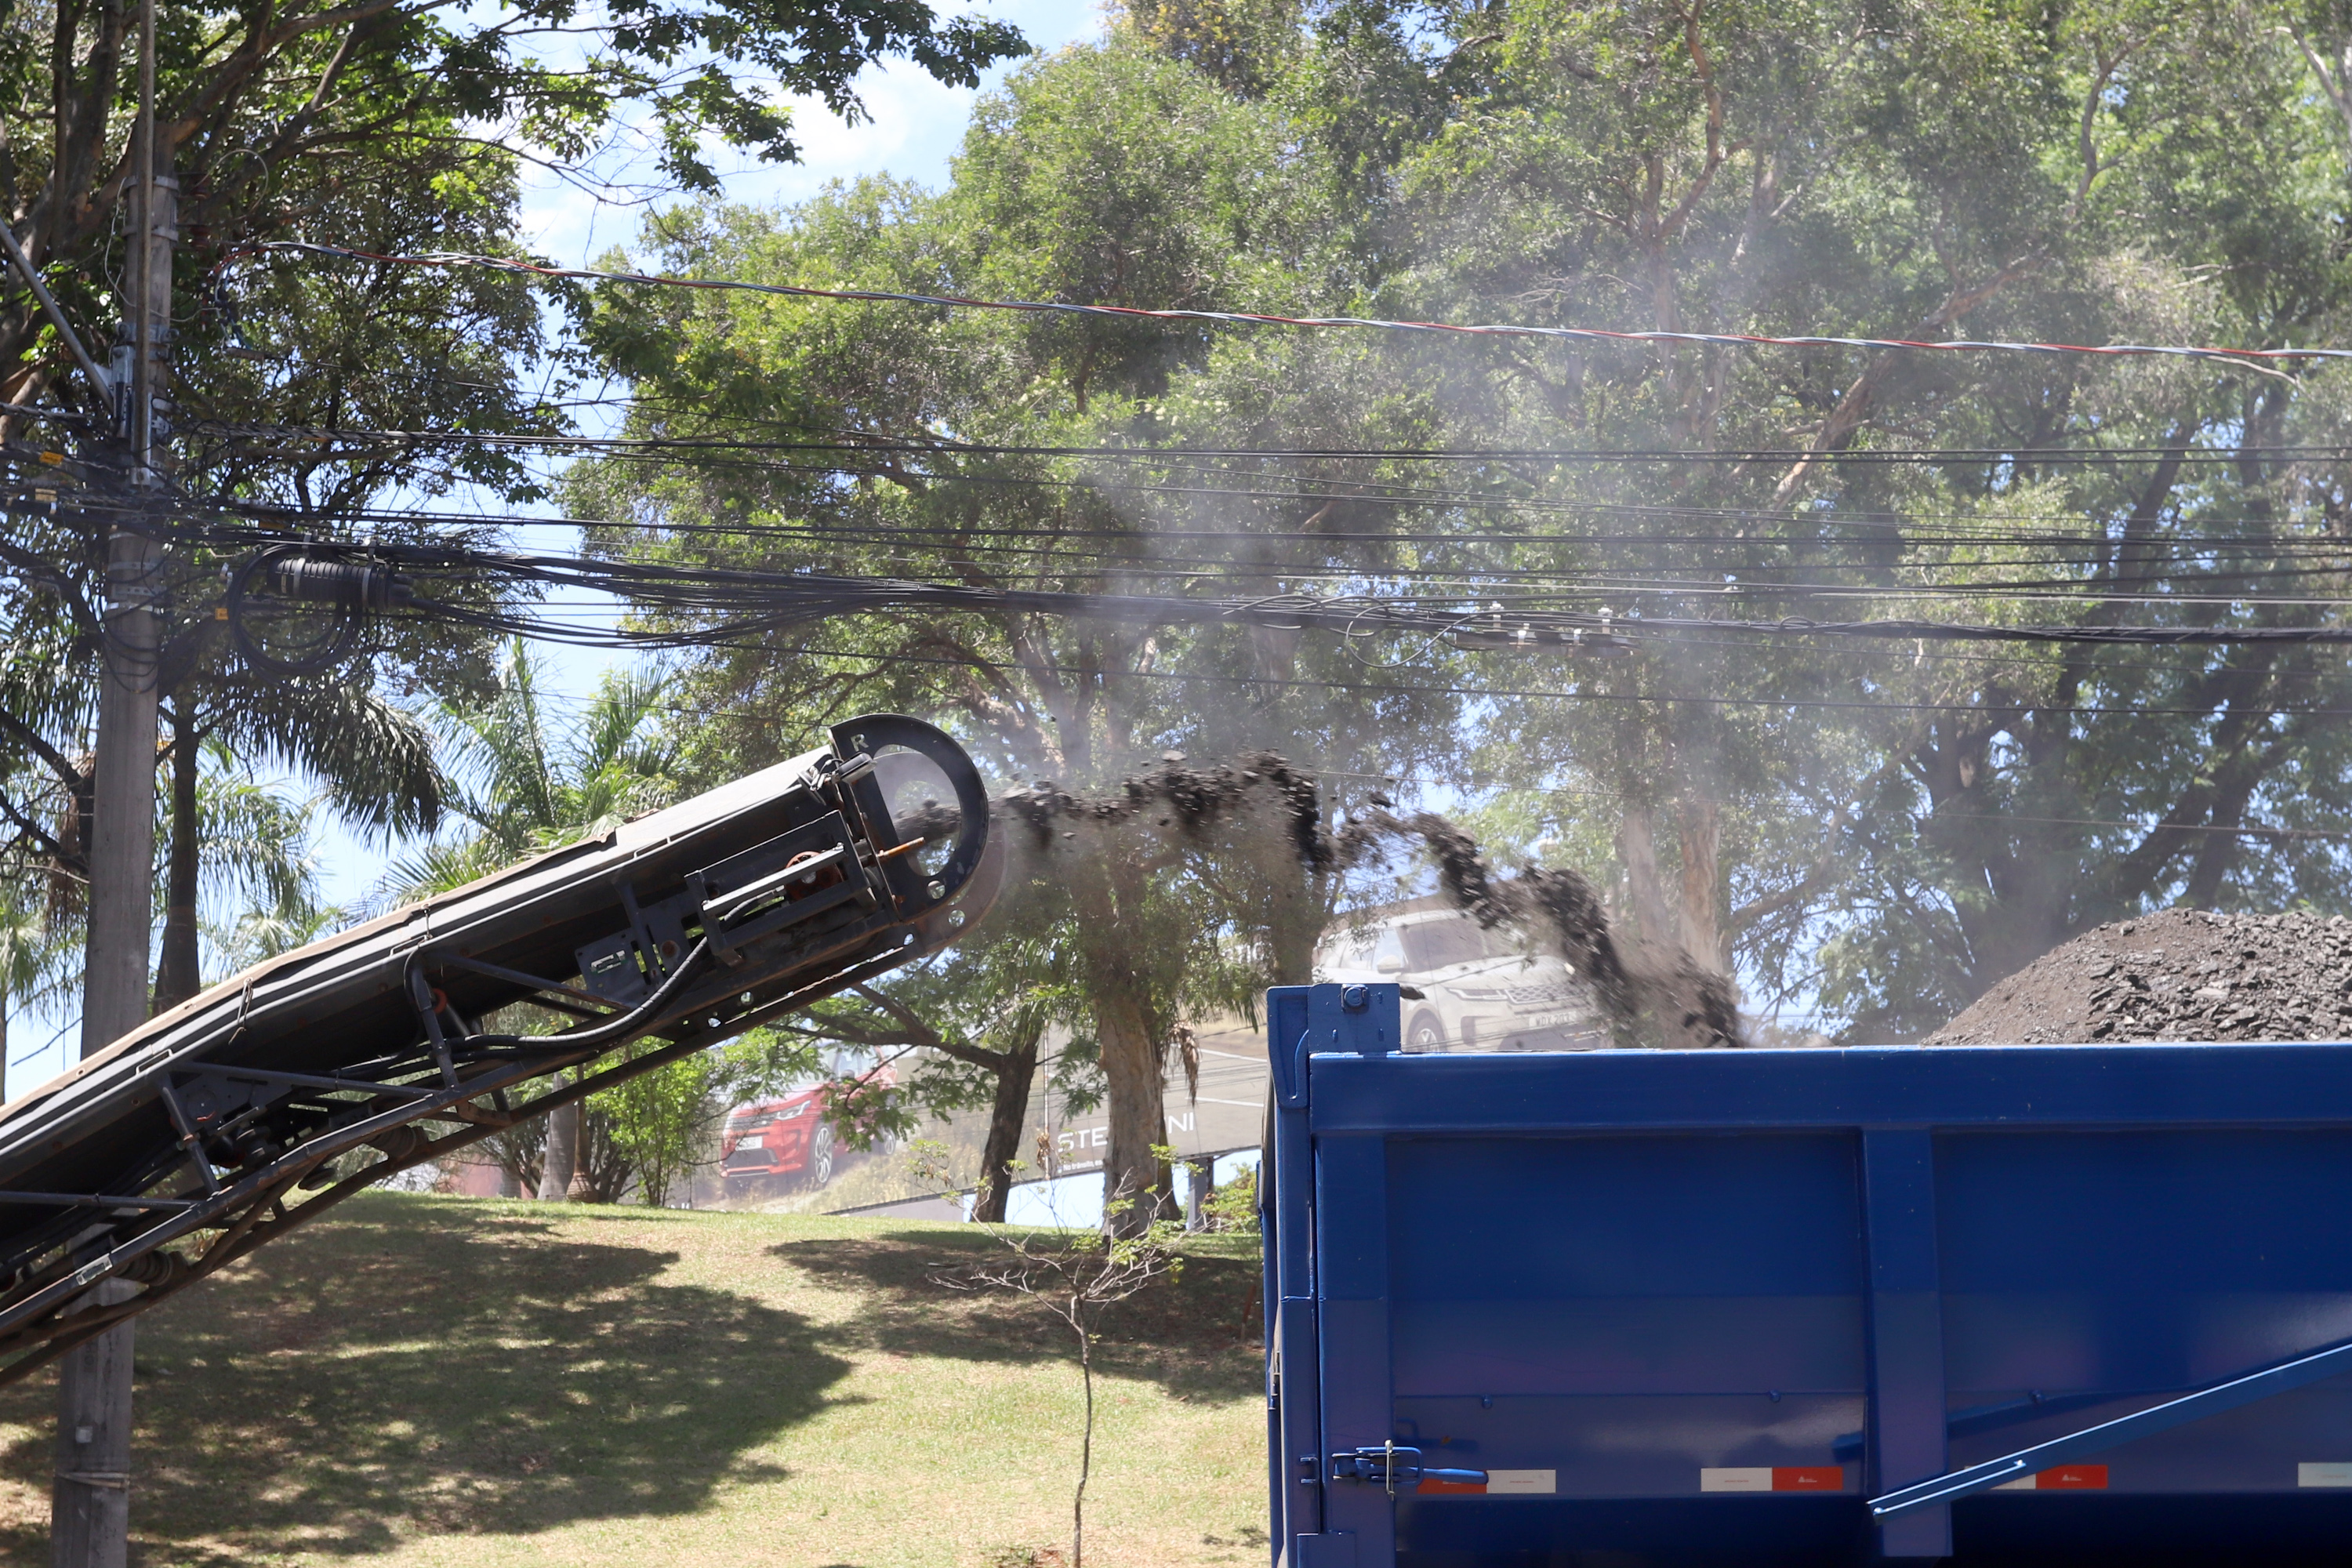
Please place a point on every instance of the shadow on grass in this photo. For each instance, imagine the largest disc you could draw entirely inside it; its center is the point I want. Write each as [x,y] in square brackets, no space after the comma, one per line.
[443,1368]
[1195,1336]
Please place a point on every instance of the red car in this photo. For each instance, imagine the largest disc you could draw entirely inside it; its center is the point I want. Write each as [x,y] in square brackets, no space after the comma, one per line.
[785,1143]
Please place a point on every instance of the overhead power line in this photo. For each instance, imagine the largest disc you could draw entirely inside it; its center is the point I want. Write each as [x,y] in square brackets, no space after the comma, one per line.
[730,605]
[1255,318]
[1662,698]
[877,447]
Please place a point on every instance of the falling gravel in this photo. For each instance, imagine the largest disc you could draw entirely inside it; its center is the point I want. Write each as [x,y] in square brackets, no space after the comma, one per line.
[2183,974]
[1652,992]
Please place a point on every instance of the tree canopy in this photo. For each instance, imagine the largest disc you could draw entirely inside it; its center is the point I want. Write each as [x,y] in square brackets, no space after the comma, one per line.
[1869,834]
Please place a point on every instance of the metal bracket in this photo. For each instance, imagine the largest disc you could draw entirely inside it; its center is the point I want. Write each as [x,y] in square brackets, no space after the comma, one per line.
[421,996]
[625,967]
[781,883]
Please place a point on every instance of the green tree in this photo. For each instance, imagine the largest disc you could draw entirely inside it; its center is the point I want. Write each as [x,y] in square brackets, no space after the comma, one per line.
[36,953]
[522,779]
[974,1020]
[1878,830]
[273,120]
[388,126]
[1108,174]
[2092,172]
[373,760]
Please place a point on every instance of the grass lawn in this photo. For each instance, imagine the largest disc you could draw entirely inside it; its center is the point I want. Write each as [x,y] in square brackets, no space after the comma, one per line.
[446,1380]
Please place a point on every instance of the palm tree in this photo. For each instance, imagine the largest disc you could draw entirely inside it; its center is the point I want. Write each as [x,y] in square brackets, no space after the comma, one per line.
[523,783]
[36,953]
[258,846]
[374,759]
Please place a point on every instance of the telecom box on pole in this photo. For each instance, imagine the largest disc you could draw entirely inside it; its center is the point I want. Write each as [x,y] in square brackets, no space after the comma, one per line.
[2009,1305]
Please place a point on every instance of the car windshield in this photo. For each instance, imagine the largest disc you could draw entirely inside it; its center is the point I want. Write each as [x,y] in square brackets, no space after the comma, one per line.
[1433,945]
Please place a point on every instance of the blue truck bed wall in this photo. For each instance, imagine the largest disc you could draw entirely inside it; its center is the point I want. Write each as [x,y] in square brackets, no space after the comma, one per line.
[2007,1305]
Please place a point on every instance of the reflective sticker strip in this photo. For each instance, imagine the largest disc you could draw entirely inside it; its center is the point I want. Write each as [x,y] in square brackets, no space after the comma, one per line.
[1503,1483]
[2328,1473]
[1459,1489]
[1736,1478]
[1808,1477]
[2064,1479]
[1772,1479]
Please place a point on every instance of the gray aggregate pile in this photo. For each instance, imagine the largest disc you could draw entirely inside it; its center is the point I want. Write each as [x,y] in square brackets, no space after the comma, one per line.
[2181,974]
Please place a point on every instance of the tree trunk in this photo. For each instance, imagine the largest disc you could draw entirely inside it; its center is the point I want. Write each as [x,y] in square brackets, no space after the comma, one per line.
[1085,1448]
[178,975]
[556,1166]
[1298,900]
[1645,892]
[1132,1072]
[1701,824]
[1008,1118]
[1131,1061]
[600,1171]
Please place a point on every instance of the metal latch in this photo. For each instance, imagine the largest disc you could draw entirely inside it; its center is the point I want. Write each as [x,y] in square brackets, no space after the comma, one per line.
[1390,1463]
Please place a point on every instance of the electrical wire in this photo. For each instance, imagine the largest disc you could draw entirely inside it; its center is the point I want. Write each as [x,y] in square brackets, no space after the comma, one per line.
[983,535]
[1662,698]
[452,259]
[2006,456]
[749,603]
[2116,587]
[735,604]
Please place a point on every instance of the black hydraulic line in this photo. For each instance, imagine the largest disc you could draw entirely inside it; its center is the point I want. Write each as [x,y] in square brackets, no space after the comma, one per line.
[612,1031]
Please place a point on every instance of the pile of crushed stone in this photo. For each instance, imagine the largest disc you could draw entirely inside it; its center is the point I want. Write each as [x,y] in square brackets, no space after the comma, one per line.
[2181,975]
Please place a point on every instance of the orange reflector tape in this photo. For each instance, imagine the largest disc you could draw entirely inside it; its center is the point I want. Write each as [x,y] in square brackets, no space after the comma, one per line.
[1808,1477]
[1498,1483]
[2073,1479]
[2064,1479]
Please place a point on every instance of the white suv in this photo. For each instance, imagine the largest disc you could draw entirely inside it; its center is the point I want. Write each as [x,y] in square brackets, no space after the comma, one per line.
[1481,989]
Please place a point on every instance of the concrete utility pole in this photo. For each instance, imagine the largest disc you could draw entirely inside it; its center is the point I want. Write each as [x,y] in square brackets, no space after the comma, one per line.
[89,1505]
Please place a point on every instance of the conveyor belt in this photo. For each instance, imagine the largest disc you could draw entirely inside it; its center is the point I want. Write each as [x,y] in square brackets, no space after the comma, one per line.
[217,1126]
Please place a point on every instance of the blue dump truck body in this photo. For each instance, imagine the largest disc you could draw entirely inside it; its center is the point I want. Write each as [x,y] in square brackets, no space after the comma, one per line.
[2007,1305]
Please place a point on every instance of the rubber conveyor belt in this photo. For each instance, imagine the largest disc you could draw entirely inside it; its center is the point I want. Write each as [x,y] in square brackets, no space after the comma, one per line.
[220,1125]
